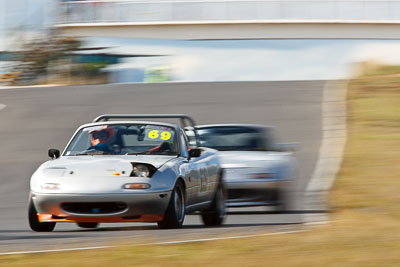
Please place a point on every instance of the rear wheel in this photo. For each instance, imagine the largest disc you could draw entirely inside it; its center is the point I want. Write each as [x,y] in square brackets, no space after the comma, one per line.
[88,224]
[34,221]
[175,214]
[217,212]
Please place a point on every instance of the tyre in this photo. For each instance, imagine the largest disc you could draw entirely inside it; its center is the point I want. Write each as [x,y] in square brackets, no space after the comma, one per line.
[282,201]
[34,221]
[175,214]
[88,224]
[215,215]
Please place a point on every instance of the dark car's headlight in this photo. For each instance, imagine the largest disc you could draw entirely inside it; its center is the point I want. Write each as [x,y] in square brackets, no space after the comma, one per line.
[142,170]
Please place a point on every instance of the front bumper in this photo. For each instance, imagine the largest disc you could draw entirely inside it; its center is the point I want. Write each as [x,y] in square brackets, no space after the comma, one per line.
[254,192]
[144,207]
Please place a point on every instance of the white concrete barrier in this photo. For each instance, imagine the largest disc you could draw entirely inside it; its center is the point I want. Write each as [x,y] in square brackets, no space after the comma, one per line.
[229,10]
[232,19]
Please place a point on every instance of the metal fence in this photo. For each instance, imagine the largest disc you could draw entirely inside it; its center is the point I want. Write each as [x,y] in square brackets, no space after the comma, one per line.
[163,11]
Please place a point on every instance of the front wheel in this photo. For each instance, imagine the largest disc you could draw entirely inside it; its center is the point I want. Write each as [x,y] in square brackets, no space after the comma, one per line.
[215,215]
[175,214]
[34,221]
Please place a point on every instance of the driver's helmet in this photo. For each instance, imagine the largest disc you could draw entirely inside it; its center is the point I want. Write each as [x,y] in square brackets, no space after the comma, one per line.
[104,135]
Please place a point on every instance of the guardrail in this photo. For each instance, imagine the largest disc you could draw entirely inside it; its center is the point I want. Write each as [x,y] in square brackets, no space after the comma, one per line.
[230,10]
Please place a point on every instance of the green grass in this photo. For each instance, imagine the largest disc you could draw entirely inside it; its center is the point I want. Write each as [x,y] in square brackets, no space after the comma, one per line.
[365,226]
[380,70]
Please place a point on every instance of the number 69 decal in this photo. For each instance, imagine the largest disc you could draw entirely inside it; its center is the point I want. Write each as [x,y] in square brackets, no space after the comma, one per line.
[159,135]
[155,134]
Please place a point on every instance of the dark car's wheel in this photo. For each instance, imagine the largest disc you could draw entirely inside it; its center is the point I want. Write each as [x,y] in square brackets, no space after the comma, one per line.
[282,201]
[215,215]
[88,224]
[34,222]
[175,214]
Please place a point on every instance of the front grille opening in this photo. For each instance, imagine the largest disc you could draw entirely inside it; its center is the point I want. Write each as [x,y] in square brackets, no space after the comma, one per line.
[58,217]
[131,217]
[252,195]
[94,208]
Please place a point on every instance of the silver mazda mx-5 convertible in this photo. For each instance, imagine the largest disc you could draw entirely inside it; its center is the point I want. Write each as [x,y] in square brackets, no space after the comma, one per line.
[123,169]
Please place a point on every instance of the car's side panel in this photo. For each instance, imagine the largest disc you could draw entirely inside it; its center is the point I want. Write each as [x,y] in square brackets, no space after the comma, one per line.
[212,174]
[200,175]
[204,172]
[192,182]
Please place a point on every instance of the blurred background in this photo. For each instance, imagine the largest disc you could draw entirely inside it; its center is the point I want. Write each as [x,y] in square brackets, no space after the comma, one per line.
[93,42]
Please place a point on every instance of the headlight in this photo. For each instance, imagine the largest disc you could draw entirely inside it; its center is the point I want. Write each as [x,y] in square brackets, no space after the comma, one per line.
[50,186]
[140,170]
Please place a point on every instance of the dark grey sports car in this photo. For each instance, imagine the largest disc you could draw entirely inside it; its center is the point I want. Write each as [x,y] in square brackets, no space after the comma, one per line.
[257,171]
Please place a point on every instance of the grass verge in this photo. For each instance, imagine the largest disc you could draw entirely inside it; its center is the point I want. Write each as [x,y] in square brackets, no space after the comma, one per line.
[365,228]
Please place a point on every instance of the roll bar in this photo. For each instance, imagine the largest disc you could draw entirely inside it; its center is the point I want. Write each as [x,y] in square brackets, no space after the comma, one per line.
[182,117]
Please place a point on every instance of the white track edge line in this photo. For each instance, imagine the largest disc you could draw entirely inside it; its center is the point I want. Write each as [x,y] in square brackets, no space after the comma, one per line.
[52,250]
[225,238]
[331,151]
[150,244]
[2,106]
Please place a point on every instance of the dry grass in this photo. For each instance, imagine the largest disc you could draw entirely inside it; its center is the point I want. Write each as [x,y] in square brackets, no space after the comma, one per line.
[365,227]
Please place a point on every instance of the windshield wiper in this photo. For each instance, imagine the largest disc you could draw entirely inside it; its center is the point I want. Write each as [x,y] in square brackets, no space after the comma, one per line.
[136,153]
[90,152]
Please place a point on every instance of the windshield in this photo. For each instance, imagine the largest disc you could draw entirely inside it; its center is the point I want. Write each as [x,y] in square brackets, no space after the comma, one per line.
[125,139]
[232,138]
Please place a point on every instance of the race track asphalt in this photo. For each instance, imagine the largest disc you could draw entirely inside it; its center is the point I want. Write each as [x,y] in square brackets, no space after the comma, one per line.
[35,119]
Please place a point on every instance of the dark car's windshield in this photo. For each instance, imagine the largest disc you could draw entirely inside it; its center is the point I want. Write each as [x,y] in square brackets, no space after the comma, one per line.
[115,139]
[232,138]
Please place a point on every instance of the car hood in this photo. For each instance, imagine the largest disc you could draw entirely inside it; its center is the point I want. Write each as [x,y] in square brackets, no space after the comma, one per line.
[246,159]
[101,165]
[240,165]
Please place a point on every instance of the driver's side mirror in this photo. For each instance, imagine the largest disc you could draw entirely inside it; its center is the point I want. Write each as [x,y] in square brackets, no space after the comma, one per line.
[54,153]
[194,152]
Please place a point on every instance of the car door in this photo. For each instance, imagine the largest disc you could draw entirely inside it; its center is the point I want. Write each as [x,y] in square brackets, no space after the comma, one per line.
[211,173]
[192,175]
[198,176]
[203,174]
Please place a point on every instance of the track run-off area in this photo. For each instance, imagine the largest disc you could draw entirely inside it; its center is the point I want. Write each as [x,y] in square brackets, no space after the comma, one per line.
[36,119]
